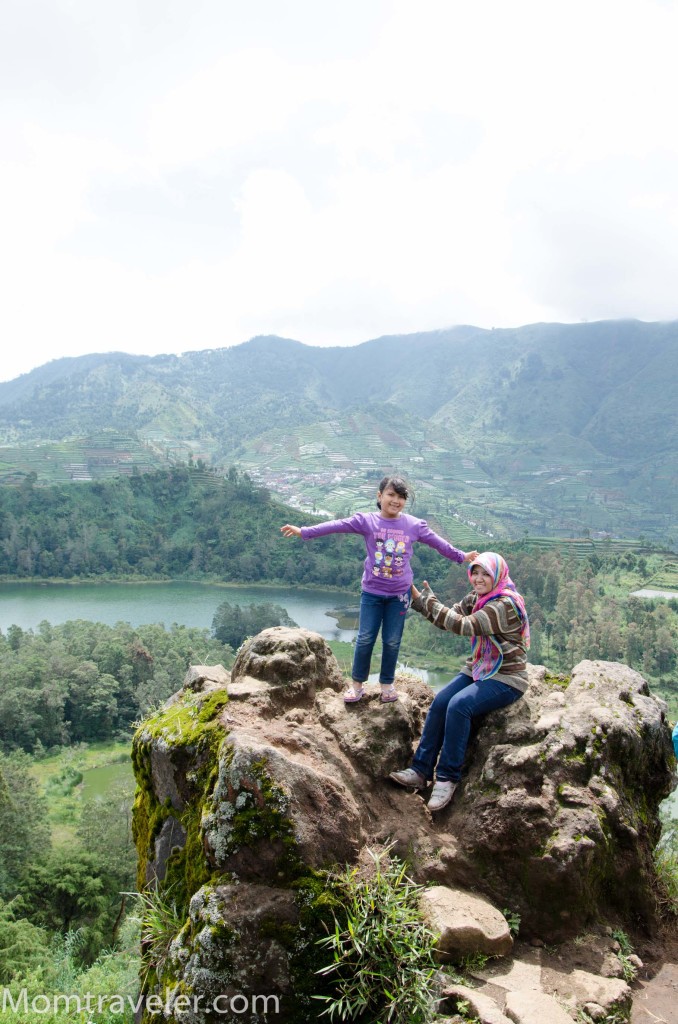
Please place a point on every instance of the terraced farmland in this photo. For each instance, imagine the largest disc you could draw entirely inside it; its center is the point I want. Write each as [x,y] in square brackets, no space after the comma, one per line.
[80,459]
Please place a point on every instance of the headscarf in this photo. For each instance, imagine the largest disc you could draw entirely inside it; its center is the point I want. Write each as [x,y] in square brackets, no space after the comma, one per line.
[487,654]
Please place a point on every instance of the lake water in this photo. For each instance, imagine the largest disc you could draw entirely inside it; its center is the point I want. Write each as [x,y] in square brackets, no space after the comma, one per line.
[187,604]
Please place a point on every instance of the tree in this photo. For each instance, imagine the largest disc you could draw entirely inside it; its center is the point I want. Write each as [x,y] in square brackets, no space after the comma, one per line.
[551,587]
[664,651]
[92,706]
[634,644]
[72,890]
[106,831]
[23,946]
[232,623]
[24,831]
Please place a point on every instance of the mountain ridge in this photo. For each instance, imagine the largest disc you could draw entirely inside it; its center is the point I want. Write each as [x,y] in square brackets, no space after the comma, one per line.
[532,406]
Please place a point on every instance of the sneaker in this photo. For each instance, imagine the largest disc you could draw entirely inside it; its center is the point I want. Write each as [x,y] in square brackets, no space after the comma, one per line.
[409,777]
[441,794]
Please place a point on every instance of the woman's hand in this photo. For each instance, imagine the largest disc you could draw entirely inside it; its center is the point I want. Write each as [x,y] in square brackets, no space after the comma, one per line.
[471,555]
[290,531]
[414,592]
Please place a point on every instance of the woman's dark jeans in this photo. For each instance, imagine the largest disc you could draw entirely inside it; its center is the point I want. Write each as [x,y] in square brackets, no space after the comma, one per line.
[448,723]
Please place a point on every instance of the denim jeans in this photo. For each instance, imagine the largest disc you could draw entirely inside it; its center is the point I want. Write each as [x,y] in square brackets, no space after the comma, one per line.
[378,611]
[448,723]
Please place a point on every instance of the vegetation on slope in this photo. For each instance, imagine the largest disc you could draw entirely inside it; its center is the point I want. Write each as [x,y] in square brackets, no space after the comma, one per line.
[560,422]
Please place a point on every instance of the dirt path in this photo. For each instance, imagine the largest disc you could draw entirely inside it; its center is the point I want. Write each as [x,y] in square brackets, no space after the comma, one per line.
[655,994]
[656,1001]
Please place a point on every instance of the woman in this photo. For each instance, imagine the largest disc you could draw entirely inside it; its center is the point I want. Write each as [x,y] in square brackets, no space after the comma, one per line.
[493,615]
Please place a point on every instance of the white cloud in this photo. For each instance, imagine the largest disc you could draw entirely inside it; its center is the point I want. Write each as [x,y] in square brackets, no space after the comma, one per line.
[178,176]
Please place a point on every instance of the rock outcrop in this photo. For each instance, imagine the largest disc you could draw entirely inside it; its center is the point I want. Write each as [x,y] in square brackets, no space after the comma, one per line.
[253,785]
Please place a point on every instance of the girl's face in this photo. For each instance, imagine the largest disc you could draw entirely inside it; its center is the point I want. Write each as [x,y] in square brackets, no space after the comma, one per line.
[481,581]
[392,503]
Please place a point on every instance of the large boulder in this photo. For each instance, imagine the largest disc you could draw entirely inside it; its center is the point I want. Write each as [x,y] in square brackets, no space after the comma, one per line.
[254,785]
[559,812]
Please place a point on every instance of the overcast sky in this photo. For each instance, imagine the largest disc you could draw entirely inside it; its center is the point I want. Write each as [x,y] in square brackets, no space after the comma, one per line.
[185,174]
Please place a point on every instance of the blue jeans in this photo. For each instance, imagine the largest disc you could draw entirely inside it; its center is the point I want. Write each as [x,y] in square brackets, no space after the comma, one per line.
[387,613]
[448,723]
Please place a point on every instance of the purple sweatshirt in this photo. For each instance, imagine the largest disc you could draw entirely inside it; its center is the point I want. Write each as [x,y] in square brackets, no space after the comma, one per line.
[389,547]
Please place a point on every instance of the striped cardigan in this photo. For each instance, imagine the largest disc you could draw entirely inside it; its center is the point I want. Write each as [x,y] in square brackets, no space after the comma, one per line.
[498,619]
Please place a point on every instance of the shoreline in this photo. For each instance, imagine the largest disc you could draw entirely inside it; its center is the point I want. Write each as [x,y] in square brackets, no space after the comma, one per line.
[42,581]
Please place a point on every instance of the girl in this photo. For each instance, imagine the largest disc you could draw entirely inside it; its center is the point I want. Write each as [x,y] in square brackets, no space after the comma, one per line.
[389,535]
[495,675]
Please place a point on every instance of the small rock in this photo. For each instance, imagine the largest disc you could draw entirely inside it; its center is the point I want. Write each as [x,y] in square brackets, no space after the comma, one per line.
[465,923]
[595,1011]
[535,1008]
[480,1006]
[611,967]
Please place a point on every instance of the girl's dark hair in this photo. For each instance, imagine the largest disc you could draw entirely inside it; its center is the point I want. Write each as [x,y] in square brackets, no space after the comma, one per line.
[399,485]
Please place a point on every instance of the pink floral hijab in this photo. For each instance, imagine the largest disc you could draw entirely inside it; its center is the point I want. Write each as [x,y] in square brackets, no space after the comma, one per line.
[487,654]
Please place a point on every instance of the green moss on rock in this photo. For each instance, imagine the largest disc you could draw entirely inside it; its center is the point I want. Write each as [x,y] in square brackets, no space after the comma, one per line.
[190,732]
[234,815]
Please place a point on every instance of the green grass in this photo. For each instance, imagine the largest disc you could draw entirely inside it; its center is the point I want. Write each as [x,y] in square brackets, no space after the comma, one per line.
[60,778]
[665,576]
[410,655]
[343,652]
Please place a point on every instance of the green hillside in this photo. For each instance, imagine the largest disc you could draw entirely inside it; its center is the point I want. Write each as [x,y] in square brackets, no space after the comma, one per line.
[547,429]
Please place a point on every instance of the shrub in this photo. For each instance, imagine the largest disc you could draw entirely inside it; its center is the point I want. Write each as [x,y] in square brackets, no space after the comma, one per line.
[382,949]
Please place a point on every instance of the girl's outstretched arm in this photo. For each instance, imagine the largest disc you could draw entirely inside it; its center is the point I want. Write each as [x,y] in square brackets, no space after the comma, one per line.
[290,531]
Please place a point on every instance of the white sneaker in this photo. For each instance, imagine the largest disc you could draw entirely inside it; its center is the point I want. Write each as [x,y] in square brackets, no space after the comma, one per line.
[441,794]
[409,777]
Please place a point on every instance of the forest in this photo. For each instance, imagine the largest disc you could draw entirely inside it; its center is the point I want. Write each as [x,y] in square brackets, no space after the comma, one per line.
[172,524]
[187,523]
[75,691]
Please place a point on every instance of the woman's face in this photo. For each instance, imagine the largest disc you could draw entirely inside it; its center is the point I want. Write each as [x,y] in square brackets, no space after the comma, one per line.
[481,581]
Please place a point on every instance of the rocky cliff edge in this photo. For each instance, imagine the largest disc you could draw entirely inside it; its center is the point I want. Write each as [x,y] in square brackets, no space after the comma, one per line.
[252,785]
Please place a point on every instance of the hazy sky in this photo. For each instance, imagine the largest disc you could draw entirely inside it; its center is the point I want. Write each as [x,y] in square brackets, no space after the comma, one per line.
[185,174]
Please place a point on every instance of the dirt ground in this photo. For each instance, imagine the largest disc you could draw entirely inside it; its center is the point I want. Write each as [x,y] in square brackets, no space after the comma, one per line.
[655,993]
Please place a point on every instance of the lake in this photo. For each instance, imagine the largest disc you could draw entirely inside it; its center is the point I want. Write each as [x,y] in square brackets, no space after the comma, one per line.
[187,604]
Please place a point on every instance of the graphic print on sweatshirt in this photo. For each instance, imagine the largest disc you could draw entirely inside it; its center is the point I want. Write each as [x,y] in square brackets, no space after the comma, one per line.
[390,547]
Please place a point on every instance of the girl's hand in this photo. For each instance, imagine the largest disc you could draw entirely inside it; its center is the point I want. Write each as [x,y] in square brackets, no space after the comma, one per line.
[290,531]
[470,555]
